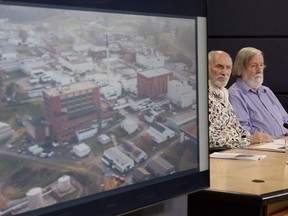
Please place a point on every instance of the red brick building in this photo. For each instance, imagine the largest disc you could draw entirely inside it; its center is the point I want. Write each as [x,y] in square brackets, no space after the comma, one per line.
[70,108]
[38,129]
[153,83]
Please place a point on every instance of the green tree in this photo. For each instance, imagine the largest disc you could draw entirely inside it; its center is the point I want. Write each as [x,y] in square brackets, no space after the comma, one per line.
[10,89]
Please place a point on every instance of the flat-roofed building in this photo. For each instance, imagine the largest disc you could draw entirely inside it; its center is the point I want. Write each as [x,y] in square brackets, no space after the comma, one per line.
[5,131]
[140,174]
[153,83]
[178,120]
[81,150]
[129,125]
[71,108]
[137,154]
[76,63]
[160,167]
[116,159]
[38,129]
[180,93]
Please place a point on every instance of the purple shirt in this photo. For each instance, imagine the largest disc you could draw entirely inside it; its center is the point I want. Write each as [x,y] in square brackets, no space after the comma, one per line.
[259,111]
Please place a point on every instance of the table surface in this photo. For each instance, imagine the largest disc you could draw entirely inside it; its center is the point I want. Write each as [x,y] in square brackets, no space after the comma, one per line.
[268,175]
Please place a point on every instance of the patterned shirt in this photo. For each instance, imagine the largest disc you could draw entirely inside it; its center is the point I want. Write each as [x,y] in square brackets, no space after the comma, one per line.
[224,127]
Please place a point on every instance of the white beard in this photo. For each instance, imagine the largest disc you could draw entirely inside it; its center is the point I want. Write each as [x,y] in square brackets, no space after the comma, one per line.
[218,83]
[254,83]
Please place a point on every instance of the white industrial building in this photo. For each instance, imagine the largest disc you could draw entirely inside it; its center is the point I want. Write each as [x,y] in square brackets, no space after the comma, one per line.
[104,139]
[40,75]
[81,45]
[140,104]
[137,154]
[129,126]
[180,119]
[86,133]
[150,115]
[111,92]
[130,85]
[29,64]
[9,65]
[159,133]
[150,60]
[81,149]
[76,63]
[111,62]
[99,79]
[116,159]
[180,93]
[61,78]
[5,131]
[35,149]
[8,53]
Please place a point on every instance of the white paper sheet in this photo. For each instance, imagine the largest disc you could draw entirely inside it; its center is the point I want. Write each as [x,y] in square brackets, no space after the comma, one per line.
[236,156]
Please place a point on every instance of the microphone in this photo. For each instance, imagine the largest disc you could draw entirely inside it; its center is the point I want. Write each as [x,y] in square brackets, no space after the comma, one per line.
[285,125]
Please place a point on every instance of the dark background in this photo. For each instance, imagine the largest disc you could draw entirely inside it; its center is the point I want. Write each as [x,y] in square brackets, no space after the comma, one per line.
[171,7]
[263,24]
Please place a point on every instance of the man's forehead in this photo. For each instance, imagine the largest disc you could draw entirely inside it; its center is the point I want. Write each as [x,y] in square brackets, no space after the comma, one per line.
[223,59]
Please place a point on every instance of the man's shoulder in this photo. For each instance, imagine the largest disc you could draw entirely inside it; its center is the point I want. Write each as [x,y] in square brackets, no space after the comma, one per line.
[234,88]
[266,89]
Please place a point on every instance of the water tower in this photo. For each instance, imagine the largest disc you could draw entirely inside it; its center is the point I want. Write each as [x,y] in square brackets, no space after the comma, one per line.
[64,183]
[34,198]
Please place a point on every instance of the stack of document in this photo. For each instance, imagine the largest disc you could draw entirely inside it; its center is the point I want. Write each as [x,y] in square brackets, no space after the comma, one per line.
[237,156]
[276,145]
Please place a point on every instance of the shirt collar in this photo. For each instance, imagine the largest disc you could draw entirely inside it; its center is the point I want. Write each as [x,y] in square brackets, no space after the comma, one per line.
[222,93]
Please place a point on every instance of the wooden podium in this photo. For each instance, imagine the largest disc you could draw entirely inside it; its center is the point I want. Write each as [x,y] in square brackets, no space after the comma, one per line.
[243,187]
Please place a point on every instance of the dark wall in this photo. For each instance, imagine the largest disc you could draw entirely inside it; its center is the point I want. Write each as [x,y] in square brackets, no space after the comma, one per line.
[263,24]
[170,7]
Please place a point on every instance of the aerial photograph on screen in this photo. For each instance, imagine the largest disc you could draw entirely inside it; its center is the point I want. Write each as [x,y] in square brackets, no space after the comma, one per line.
[92,101]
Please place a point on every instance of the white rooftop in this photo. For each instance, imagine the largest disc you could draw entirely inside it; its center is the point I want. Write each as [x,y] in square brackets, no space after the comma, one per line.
[68,89]
[155,72]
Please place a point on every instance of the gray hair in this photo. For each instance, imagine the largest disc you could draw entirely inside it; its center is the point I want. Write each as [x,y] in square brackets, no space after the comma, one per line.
[242,59]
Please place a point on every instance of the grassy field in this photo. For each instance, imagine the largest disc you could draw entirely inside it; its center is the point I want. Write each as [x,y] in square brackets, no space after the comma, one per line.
[20,175]
[12,114]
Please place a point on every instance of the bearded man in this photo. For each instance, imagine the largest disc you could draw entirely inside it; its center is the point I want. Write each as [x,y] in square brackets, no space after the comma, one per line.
[225,131]
[255,105]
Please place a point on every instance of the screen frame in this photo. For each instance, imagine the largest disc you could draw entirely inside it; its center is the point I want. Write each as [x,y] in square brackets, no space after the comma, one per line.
[148,193]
